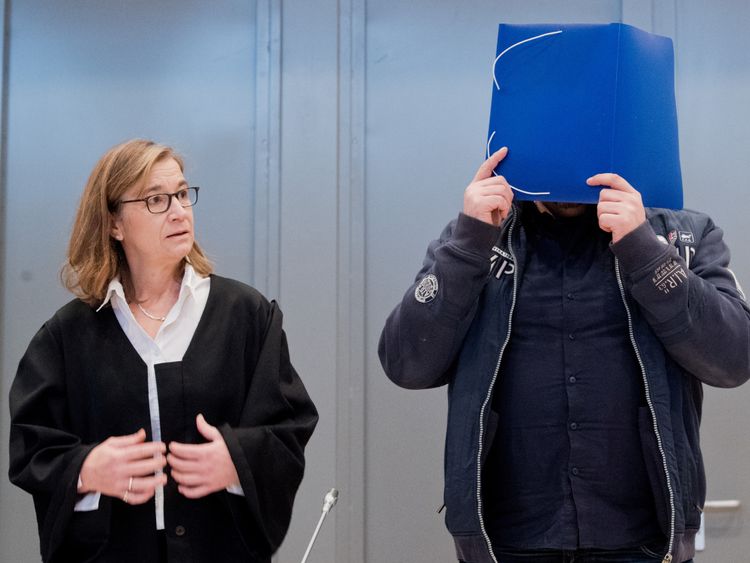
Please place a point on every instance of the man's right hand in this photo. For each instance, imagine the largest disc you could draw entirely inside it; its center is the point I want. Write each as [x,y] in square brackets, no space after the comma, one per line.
[489,197]
[123,464]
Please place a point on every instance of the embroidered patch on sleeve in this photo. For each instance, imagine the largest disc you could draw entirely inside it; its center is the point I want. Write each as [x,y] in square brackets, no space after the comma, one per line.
[427,289]
[687,237]
[669,275]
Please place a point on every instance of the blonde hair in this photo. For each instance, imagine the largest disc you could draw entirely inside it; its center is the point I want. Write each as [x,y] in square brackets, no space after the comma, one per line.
[94,256]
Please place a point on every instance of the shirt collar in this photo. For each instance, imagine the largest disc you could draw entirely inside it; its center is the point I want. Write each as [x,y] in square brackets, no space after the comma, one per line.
[190,281]
[114,288]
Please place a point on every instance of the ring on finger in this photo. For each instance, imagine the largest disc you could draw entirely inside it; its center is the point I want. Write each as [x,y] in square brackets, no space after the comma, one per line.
[125,497]
[130,484]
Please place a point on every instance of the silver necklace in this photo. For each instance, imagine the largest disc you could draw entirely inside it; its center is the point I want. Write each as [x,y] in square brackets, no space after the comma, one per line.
[150,316]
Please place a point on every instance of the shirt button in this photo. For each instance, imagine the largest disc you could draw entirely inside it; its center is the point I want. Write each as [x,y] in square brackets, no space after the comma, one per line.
[574,471]
[572,379]
[571,296]
[574,426]
[572,336]
[179,531]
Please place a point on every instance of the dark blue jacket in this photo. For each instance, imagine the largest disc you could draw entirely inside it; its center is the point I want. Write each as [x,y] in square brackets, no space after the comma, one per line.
[689,324]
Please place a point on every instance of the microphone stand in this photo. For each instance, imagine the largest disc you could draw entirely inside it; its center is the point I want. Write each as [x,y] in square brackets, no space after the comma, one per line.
[328,502]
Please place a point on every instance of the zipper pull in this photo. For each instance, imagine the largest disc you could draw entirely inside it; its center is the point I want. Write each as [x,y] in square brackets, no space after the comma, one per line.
[667,558]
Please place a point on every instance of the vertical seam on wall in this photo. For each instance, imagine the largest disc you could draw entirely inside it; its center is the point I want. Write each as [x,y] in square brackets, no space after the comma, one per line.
[675,40]
[350,280]
[653,16]
[4,89]
[266,192]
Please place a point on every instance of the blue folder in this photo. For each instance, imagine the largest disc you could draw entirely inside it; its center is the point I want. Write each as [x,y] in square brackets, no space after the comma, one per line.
[573,100]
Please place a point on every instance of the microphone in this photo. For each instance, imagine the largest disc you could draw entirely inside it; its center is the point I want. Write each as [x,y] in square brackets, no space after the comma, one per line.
[329,501]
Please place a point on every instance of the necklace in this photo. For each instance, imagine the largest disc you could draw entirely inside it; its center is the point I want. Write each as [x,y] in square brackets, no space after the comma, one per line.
[150,316]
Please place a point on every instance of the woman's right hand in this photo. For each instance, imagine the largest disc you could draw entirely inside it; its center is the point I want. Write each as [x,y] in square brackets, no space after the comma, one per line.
[125,467]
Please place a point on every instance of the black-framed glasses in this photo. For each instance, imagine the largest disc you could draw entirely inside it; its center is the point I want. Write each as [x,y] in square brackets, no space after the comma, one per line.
[160,203]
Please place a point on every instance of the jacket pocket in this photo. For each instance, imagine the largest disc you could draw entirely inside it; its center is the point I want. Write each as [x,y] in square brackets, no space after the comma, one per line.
[654,468]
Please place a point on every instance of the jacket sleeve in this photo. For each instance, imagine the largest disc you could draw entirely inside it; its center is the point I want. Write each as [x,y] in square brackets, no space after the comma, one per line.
[699,312]
[45,455]
[267,446]
[424,333]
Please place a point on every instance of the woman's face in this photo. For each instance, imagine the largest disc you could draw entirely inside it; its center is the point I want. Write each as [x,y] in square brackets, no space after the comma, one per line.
[152,240]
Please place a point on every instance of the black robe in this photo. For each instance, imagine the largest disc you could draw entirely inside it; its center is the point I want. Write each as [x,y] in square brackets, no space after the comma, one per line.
[81,381]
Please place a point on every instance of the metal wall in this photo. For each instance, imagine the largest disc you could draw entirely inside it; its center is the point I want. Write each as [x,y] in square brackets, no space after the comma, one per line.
[332,139]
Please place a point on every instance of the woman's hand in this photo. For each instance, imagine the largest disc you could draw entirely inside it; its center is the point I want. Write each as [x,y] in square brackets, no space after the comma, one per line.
[202,469]
[125,467]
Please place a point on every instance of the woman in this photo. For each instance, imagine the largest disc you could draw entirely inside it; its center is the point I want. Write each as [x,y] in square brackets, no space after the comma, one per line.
[157,417]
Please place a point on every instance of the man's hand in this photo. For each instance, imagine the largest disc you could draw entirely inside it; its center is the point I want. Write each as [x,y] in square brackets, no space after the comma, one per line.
[124,467]
[620,209]
[489,197]
[202,469]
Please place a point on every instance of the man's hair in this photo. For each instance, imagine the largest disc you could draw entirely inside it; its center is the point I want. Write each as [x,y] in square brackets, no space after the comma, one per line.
[94,256]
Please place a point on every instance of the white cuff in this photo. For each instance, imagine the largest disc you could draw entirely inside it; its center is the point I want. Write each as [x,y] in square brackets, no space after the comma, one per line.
[88,503]
[236,490]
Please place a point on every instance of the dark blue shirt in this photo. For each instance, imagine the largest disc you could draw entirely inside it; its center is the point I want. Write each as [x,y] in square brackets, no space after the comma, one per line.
[565,469]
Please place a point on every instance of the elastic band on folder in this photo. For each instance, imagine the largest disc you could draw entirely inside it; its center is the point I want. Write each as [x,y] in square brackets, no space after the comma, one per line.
[494,78]
[511,187]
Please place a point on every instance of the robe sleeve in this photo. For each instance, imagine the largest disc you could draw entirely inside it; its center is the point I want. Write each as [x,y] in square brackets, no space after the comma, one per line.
[267,446]
[45,455]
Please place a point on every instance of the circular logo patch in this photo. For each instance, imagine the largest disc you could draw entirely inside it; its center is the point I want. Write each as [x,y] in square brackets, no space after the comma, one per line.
[427,289]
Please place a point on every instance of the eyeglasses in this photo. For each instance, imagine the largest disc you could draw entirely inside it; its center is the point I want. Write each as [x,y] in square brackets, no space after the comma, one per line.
[160,203]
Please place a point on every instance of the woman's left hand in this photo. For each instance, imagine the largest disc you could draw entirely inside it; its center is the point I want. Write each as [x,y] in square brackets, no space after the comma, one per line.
[202,469]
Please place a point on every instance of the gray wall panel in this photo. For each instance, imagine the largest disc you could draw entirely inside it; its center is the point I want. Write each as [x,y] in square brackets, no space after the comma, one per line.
[713,78]
[308,241]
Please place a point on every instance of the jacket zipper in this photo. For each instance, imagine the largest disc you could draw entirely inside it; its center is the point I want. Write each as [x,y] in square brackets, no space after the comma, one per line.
[489,393]
[670,545]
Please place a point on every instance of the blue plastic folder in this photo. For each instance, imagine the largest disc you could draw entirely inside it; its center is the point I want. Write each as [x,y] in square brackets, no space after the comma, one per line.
[571,101]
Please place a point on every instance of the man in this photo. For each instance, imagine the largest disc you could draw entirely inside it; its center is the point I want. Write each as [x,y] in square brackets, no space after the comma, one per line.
[574,340]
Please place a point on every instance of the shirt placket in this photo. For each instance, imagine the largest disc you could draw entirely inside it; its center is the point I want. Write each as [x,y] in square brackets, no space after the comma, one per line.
[571,343]
[155,357]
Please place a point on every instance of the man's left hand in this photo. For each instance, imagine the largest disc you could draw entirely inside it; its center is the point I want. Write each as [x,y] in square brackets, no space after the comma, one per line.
[620,208]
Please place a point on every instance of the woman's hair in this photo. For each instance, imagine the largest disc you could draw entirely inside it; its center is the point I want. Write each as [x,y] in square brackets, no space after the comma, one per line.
[94,256]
